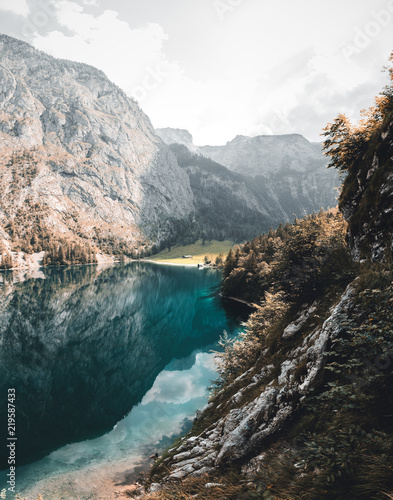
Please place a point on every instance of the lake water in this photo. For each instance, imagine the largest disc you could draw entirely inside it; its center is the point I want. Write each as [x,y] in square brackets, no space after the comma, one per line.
[108,366]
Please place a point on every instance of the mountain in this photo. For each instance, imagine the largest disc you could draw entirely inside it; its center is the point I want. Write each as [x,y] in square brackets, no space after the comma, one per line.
[227,204]
[79,160]
[286,174]
[268,155]
[83,171]
[177,136]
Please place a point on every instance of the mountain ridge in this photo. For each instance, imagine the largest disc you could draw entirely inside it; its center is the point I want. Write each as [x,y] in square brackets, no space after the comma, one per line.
[257,159]
[282,187]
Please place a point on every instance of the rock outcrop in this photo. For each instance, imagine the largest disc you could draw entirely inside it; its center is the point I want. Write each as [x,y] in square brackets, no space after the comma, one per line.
[74,143]
[367,199]
[177,136]
[248,423]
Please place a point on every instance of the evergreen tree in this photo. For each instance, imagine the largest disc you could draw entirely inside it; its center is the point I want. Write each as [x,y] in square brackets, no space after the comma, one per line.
[229,265]
[7,261]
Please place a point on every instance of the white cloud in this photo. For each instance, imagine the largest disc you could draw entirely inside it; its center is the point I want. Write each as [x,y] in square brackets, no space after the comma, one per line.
[179,387]
[248,74]
[18,7]
[128,56]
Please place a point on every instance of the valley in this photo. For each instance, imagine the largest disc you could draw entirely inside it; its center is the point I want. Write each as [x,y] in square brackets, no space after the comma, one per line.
[135,372]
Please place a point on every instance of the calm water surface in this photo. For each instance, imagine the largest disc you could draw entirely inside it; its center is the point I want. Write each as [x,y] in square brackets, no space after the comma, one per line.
[108,365]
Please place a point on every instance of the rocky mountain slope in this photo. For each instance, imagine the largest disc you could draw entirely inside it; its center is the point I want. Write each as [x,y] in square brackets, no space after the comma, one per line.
[177,136]
[287,171]
[267,155]
[78,158]
[367,199]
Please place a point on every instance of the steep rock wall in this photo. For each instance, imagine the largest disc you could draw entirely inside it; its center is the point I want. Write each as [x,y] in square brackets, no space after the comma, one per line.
[74,142]
[367,199]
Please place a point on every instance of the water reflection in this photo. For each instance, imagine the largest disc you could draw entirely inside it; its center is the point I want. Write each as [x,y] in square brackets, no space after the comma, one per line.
[97,468]
[82,347]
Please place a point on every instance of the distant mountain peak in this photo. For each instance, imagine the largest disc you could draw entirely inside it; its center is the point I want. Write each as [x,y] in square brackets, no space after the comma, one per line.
[176,136]
[269,137]
[264,155]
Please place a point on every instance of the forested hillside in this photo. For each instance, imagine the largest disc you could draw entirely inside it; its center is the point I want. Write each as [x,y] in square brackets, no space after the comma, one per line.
[297,260]
[266,179]
[227,205]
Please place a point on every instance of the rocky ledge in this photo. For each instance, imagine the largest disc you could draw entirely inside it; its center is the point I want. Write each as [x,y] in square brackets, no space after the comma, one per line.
[240,435]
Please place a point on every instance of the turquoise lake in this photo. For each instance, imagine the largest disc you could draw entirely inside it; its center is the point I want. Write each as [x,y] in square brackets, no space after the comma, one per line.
[108,366]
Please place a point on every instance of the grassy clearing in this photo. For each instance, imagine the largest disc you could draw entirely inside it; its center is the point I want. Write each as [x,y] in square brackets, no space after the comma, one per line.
[211,249]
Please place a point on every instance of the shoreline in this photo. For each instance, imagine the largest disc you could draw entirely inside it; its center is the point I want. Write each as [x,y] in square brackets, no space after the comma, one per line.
[38,267]
[99,263]
[34,262]
[162,262]
[241,301]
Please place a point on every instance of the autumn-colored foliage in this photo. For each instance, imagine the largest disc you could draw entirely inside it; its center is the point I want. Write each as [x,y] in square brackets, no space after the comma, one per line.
[345,143]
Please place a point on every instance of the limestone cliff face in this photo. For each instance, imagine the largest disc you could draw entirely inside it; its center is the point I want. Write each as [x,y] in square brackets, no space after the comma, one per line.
[267,154]
[367,199]
[288,170]
[73,142]
[177,136]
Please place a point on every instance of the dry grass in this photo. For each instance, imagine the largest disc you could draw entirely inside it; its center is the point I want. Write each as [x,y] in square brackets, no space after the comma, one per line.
[228,487]
[198,251]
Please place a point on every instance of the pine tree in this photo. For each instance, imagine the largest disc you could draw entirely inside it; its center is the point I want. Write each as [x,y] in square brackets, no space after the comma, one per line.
[61,257]
[7,261]
[229,265]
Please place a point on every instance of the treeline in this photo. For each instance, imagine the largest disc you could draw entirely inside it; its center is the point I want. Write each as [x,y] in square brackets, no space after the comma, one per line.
[297,260]
[65,253]
[27,229]
[183,232]
[113,245]
[30,234]
[6,261]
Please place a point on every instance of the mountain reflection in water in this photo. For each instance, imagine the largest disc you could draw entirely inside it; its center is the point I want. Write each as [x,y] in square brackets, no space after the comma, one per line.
[82,346]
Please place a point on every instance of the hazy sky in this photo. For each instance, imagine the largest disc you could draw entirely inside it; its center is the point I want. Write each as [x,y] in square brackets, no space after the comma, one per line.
[222,67]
